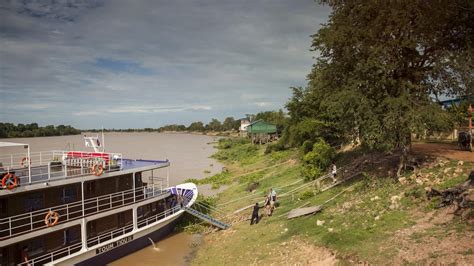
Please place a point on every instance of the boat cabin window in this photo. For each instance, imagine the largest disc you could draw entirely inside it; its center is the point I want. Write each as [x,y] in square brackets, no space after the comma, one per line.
[90,188]
[33,202]
[35,246]
[3,207]
[71,236]
[69,194]
[138,179]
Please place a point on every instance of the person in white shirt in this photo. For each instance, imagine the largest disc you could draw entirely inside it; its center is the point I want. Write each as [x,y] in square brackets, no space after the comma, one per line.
[333,172]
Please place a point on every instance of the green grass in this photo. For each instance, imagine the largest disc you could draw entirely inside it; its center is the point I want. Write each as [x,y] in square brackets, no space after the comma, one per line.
[357,223]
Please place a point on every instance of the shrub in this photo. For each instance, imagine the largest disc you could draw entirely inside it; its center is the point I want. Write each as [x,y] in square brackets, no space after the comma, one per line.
[318,159]
[306,195]
[307,146]
[278,146]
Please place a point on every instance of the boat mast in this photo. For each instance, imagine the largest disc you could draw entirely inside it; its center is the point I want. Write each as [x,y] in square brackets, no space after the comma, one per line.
[103,140]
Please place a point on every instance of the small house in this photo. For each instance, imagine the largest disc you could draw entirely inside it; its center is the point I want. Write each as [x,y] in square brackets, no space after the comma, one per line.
[244,123]
[262,132]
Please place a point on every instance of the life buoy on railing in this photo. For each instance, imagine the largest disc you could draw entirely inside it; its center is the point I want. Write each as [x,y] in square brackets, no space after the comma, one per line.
[51,218]
[10,181]
[25,161]
[97,169]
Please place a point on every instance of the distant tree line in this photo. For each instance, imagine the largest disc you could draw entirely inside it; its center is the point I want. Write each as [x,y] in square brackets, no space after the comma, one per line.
[10,130]
[229,124]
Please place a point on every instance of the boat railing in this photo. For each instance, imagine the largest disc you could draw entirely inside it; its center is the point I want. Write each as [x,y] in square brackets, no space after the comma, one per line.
[96,240]
[104,237]
[57,254]
[99,239]
[48,165]
[157,217]
[27,222]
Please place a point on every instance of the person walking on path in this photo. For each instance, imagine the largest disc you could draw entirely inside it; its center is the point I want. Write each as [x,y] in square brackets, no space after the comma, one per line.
[333,172]
[272,195]
[255,214]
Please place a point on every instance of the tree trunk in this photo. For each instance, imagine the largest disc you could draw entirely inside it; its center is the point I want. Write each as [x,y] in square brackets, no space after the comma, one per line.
[406,150]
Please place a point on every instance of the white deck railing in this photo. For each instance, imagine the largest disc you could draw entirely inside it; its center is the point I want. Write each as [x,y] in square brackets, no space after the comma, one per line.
[96,240]
[44,166]
[27,222]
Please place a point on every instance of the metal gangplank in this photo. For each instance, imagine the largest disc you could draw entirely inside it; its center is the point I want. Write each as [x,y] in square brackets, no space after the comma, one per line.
[206,218]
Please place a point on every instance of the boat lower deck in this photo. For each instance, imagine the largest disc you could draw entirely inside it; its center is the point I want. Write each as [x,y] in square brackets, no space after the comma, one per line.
[101,233]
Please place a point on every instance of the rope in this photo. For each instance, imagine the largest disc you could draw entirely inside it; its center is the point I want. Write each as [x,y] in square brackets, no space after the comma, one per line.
[210,208]
[324,203]
[259,170]
[257,192]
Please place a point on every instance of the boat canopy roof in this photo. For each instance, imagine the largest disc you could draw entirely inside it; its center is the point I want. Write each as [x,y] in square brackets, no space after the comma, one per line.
[12,144]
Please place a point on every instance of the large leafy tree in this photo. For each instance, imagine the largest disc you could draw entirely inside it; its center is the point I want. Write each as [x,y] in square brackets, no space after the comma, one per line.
[380,65]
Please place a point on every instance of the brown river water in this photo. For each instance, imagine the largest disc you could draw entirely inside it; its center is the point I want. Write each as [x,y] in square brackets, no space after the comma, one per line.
[189,156]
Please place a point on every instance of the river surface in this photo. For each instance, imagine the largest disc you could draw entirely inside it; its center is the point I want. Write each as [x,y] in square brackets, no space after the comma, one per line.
[189,156]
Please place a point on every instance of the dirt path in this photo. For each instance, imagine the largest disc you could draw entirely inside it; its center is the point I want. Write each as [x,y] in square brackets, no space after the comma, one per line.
[446,150]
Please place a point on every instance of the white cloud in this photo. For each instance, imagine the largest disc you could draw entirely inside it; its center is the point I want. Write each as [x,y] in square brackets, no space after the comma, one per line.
[207,59]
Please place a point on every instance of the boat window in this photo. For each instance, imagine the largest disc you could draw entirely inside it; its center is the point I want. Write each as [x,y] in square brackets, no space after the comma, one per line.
[91,228]
[138,179]
[35,247]
[3,207]
[69,194]
[71,235]
[33,202]
[90,188]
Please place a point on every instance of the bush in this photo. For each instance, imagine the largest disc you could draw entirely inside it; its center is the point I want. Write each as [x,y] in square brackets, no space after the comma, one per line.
[278,146]
[315,161]
[307,146]
[306,195]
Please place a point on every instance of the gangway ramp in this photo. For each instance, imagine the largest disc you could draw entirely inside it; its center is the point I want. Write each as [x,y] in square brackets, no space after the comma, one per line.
[206,218]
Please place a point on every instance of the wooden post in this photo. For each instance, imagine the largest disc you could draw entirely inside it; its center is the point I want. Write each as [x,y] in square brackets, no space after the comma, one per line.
[469,110]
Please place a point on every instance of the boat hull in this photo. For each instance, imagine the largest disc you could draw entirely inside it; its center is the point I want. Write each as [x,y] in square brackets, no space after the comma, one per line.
[134,245]
[128,243]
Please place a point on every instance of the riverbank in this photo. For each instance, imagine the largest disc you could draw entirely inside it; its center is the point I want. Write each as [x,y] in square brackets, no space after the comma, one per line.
[377,219]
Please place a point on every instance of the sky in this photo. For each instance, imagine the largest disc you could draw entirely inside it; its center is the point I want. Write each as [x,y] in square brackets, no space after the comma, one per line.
[147,63]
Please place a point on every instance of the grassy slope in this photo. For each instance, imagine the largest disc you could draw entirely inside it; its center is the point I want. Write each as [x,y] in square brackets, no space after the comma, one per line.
[355,225]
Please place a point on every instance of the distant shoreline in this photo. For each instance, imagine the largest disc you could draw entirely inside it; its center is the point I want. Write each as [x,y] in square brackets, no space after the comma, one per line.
[207,133]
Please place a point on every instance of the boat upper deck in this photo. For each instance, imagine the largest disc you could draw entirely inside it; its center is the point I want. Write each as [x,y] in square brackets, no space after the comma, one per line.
[26,169]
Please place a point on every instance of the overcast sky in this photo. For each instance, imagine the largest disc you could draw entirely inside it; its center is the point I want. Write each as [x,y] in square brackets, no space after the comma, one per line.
[123,63]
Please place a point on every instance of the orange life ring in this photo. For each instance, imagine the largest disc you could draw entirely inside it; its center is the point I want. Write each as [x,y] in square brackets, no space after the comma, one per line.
[24,161]
[51,218]
[10,181]
[97,169]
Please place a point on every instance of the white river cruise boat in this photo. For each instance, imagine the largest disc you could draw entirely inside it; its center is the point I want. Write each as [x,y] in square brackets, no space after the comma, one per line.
[83,208]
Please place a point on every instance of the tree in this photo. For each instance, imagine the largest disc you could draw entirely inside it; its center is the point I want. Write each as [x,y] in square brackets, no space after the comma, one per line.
[214,125]
[380,64]
[275,117]
[196,126]
[228,123]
